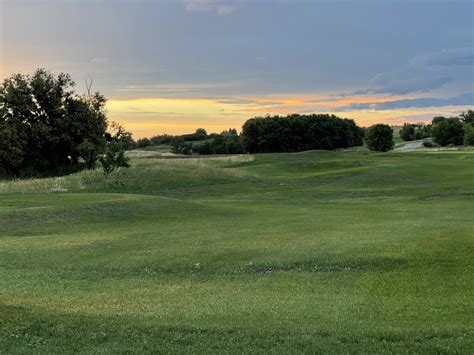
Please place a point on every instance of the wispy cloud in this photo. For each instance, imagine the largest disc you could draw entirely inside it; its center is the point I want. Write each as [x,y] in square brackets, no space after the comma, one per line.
[460,100]
[220,7]
[424,73]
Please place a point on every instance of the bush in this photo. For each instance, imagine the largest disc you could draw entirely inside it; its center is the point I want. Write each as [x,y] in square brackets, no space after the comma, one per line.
[448,132]
[113,158]
[179,146]
[379,137]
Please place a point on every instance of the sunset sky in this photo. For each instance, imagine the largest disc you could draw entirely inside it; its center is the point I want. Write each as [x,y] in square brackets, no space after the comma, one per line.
[173,66]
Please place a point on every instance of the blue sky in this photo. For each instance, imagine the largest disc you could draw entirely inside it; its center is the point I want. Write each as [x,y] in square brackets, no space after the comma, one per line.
[172,66]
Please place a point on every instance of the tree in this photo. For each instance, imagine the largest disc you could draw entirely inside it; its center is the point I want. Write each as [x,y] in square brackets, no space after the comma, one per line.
[407,133]
[227,142]
[49,128]
[379,137]
[448,132]
[143,142]
[200,134]
[411,131]
[438,119]
[295,133]
[467,117]
[469,134]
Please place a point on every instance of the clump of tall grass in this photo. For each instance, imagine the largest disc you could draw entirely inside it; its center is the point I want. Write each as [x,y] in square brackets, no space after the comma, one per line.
[146,175]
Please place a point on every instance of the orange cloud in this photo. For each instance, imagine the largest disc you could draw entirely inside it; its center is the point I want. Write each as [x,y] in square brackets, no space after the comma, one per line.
[151,116]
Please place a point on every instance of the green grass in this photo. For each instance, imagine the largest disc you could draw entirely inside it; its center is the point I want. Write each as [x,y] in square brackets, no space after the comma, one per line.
[314,252]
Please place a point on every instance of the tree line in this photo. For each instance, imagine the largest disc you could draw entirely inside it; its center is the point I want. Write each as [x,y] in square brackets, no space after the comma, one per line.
[46,128]
[443,131]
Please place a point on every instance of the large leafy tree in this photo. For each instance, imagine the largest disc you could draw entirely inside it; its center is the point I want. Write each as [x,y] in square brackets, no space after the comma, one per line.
[448,132]
[379,137]
[46,128]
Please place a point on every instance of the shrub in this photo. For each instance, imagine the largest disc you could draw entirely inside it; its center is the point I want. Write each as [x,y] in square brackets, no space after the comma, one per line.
[179,146]
[113,158]
[379,137]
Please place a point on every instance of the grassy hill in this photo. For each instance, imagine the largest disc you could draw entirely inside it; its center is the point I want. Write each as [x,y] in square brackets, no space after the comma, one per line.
[316,252]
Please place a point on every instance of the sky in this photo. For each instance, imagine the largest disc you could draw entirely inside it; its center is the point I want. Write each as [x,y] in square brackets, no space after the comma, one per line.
[171,66]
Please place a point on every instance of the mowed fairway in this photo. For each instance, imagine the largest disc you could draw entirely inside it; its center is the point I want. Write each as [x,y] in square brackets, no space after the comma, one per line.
[315,252]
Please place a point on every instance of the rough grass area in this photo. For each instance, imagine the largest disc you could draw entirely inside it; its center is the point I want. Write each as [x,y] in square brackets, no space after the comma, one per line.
[314,252]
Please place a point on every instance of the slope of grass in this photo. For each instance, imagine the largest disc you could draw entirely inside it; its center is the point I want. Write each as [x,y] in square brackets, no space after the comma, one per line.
[314,252]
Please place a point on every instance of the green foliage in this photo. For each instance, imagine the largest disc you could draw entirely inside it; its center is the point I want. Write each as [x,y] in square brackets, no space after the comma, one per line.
[117,141]
[407,133]
[438,119]
[410,131]
[295,133]
[379,137]
[467,117]
[449,131]
[179,146]
[469,134]
[113,157]
[44,125]
[228,142]
[143,143]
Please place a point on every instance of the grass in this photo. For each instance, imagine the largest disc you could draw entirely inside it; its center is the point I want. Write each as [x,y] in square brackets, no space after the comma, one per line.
[314,252]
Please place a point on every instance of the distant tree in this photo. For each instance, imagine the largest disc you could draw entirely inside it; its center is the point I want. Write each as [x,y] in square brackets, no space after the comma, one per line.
[467,117]
[438,119]
[299,132]
[143,143]
[379,137]
[469,134]
[161,139]
[200,133]
[179,146]
[407,133]
[411,131]
[448,132]
[227,142]
[422,131]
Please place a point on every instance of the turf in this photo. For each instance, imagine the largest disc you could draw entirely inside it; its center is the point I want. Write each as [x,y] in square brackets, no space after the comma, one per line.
[314,252]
